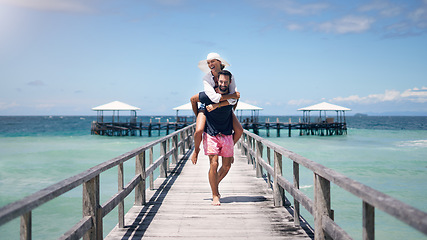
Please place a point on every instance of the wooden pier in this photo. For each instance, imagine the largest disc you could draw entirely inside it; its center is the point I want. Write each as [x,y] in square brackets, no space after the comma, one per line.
[149,128]
[320,128]
[135,129]
[179,207]
[178,204]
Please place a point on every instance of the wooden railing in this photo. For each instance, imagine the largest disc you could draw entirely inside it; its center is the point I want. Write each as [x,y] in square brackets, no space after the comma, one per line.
[320,208]
[91,225]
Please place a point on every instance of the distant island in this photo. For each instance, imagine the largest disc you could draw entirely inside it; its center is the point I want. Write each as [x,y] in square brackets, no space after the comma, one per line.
[360,115]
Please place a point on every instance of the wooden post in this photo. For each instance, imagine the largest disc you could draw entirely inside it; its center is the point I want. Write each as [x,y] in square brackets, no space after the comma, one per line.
[91,208]
[163,167]
[278,193]
[290,127]
[175,151]
[121,206]
[187,140]
[278,128]
[368,221]
[269,163]
[167,150]
[296,203]
[151,174]
[243,141]
[322,205]
[25,229]
[248,156]
[259,148]
[253,148]
[140,188]
[182,142]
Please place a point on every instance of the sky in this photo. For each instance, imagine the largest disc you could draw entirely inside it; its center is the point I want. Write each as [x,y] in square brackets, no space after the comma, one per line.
[62,57]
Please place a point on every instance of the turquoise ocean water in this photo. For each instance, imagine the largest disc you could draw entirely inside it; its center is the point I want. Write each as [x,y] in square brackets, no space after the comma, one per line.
[386,153]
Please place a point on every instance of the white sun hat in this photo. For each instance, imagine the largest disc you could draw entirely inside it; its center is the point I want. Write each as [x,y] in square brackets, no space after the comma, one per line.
[203,65]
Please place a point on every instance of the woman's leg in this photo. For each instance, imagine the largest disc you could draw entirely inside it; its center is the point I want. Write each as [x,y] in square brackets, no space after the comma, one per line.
[238,129]
[198,134]
[194,100]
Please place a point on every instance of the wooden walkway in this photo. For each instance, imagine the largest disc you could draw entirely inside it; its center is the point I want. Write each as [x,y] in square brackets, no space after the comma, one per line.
[180,207]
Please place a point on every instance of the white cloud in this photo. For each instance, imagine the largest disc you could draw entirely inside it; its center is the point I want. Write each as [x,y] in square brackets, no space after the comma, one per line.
[294,7]
[300,102]
[387,18]
[409,95]
[419,15]
[49,5]
[6,105]
[294,26]
[252,102]
[170,2]
[347,24]
[384,8]
[45,106]
[415,95]
[36,83]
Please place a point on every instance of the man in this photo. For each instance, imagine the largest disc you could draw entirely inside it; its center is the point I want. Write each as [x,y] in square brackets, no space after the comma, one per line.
[211,66]
[218,135]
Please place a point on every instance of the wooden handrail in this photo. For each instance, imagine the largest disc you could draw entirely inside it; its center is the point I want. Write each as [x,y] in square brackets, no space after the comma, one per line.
[320,208]
[90,226]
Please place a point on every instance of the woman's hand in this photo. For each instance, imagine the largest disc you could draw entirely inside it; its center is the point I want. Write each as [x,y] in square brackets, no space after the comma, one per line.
[211,107]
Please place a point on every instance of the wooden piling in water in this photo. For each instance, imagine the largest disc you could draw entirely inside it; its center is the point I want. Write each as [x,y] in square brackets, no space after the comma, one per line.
[134,129]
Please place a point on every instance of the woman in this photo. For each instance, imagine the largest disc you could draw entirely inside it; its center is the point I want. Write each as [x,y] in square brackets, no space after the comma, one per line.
[211,66]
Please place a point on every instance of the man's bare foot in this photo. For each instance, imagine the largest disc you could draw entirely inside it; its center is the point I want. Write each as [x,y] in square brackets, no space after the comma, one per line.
[194,156]
[215,201]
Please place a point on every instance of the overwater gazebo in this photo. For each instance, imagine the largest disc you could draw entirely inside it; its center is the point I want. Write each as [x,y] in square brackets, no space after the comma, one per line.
[324,107]
[241,106]
[115,107]
[115,127]
[323,125]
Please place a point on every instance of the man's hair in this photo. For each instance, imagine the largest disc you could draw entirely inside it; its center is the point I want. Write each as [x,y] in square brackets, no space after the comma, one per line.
[225,73]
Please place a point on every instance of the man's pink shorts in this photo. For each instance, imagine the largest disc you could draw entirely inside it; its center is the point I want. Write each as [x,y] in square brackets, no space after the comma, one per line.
[221,145]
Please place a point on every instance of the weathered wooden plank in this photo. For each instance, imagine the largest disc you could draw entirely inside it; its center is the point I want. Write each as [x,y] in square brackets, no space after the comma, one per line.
[91,209]
[26,225]
[120,196]
[306,202]
[121,207]
[368,221]
[296,187]
[140,193]
[78,230]
[279,194]
[333,230]
[180,207]
[322,205]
